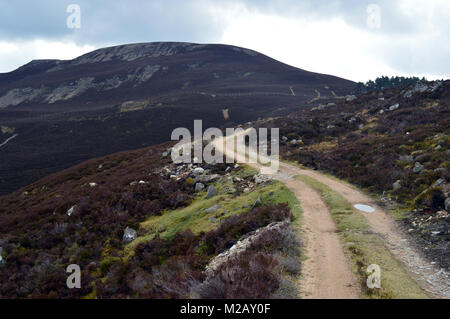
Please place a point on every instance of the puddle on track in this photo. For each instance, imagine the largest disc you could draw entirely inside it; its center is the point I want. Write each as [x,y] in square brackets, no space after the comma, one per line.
[364,208]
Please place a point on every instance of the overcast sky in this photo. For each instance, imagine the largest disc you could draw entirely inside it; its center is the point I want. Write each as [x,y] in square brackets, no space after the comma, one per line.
[354,39]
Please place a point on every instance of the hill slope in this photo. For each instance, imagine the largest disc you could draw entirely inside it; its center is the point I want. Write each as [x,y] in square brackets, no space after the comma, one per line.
[131,96]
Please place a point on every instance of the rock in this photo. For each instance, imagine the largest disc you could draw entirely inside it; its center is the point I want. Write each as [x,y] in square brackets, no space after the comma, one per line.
[447,204]
[350,98]
[437,148]
[361,126]
[236,192]
[417,167]
[206,178]
[394,107]
[242,245]
[381,98]
[246,205]
[260,179]
[129,235]
[406,158]
[198,171]
[396,185]
[236,166]
[92,184]
[257,203]
[70,211]
[381,112]
[142,182]
[213,220]
[212,191]
[133,183]
[199,187]
[440,170]
[1,258]
[284,138]
[213,209]
[439,182]
[228,169]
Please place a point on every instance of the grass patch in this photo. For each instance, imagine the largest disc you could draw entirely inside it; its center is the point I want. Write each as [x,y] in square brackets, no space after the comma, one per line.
[365,248]
[197,220]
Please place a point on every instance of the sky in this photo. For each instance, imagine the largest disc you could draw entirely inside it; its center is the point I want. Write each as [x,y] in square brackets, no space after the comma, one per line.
[354,39]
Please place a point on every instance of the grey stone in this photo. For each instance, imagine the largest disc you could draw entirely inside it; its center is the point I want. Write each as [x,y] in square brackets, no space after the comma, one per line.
[199,187]
[406,158]
[70,211]
[1,257]
[213,209]
[437,148]
[394,107]
[257,203]
[396,185]
[447,204]
[439,182]
[213,220]
[417,167]
[198,171]
[206,178]
[212,191]
[350,98]
[129,235]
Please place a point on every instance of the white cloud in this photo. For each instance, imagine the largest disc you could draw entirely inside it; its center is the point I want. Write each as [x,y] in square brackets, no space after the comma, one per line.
[17,53]
[321,45]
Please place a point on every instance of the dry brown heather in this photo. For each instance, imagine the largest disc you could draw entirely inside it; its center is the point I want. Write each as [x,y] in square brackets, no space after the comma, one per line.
[40,240]
[357,142]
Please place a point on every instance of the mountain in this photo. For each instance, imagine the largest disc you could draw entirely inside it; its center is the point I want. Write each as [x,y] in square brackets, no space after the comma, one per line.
[55,114]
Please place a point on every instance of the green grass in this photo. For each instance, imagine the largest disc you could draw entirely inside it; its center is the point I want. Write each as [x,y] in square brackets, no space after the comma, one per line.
[364,248]
[195,218]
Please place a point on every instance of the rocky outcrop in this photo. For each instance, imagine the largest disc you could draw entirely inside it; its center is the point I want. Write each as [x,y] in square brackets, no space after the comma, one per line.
[129,235]
[241,246]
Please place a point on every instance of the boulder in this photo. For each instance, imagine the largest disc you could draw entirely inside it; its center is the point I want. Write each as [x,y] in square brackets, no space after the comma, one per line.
[397,185]
[212,191]
[198,171]
[257,203]
[417,167]
[406,158]
[394,107]
[199,187]
[439,182]
[206,178]
[213,209]
[350,98]
[129,235]
[214,220]
[447,204]
[70,211]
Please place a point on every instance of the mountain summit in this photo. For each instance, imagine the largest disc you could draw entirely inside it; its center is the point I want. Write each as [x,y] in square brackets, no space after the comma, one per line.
[56,113]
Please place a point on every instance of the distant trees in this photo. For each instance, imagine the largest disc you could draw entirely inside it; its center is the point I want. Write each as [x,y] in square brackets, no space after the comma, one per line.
[385,82]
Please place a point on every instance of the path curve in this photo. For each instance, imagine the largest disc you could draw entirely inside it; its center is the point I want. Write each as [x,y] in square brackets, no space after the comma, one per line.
[430,277]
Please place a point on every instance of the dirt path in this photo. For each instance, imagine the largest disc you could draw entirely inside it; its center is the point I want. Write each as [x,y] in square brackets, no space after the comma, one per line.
[326,271]
[430,277]
[329,275]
